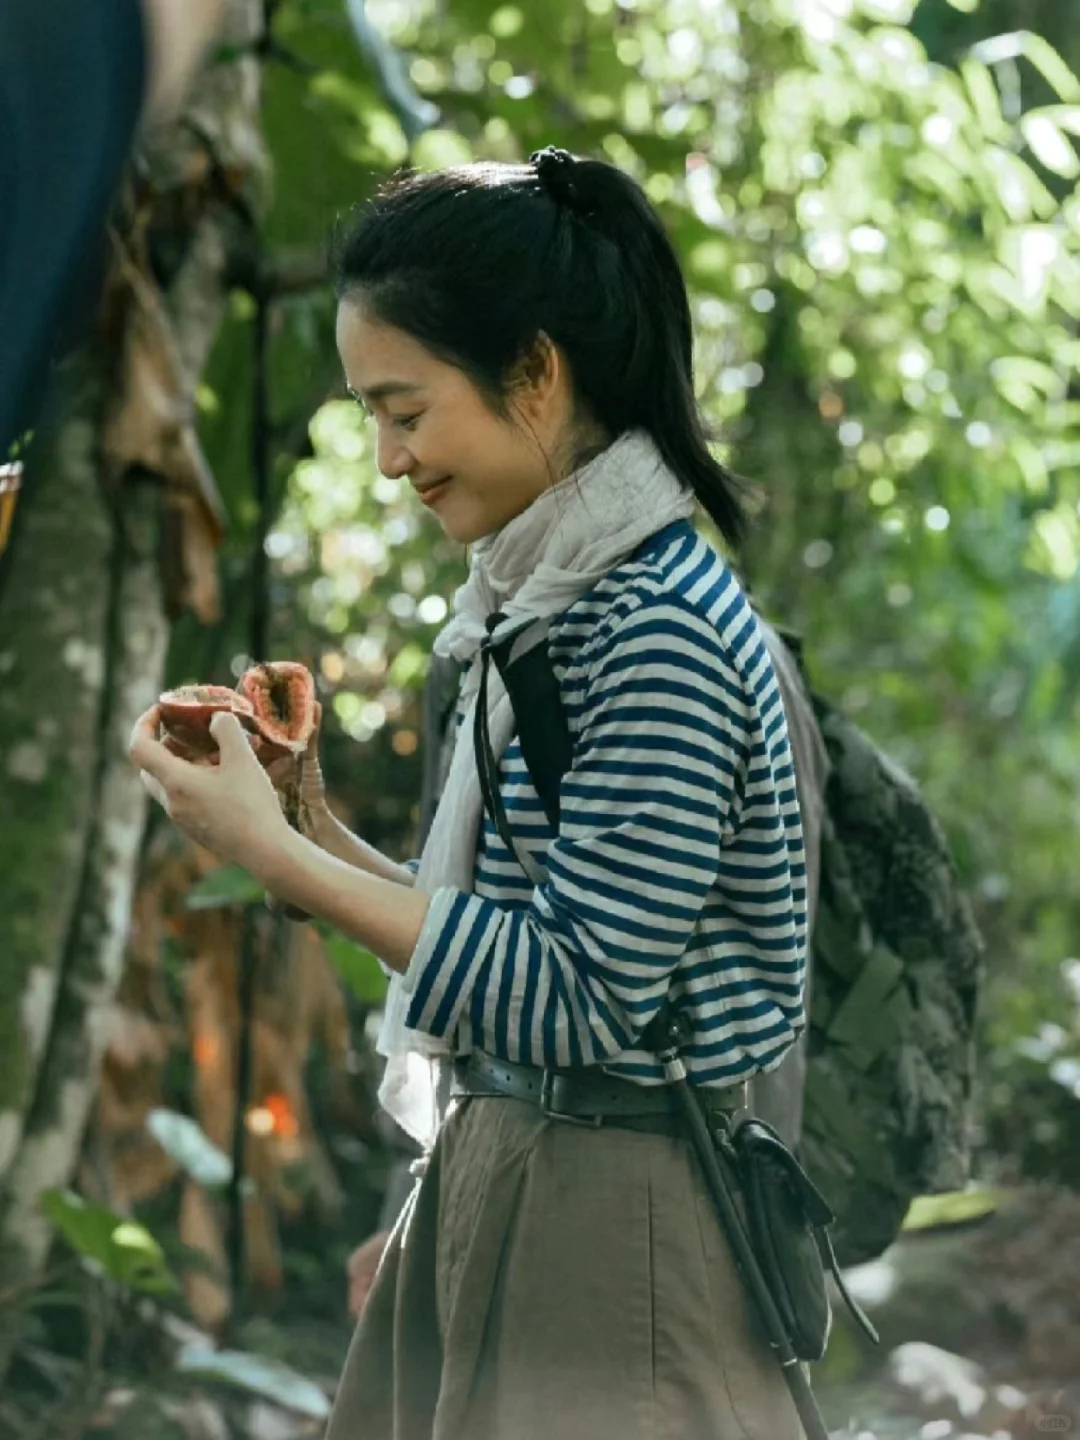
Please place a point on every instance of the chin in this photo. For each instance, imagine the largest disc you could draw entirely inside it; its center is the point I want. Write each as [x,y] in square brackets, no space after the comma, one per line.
[467,529]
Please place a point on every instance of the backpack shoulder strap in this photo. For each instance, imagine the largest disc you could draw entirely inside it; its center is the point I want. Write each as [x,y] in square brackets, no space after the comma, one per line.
[525,667]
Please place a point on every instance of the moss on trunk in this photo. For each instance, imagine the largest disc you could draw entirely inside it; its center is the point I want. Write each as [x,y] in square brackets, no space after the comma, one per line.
[52,666]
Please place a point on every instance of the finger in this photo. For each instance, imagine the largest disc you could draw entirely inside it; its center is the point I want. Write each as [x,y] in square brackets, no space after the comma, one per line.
[282,770]
[231,738]
[148,753]
[156,789]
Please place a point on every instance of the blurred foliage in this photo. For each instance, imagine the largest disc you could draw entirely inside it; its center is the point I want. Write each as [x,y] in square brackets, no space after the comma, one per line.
[877,208]
[255,1375]
[118,1248]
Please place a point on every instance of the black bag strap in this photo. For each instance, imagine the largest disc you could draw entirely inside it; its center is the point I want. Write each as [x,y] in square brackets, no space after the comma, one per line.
[486,765]
[540,720]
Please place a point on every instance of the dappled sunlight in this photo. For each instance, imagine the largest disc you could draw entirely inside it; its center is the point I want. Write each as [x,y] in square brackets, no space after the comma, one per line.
[877,206]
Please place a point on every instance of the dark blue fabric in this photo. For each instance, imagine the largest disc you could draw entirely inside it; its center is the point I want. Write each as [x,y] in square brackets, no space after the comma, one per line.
[72,76]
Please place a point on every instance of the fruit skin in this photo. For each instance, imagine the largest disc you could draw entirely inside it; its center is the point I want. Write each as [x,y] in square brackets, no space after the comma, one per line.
[274,702]
[281,694]
[185,716]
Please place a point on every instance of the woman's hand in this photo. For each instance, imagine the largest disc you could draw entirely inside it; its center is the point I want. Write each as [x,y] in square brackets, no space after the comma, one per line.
[230,808]
[363,1266]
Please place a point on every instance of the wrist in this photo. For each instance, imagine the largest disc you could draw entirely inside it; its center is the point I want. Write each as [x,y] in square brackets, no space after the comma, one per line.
[276,857]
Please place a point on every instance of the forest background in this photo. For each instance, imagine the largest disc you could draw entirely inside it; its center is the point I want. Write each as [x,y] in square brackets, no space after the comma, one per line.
[876,204]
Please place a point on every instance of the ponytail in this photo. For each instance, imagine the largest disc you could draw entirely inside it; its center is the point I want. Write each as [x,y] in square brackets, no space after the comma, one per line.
[477,262]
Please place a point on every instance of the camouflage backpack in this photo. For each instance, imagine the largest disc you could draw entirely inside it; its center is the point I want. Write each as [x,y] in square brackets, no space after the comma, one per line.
[896,966]
[894,970]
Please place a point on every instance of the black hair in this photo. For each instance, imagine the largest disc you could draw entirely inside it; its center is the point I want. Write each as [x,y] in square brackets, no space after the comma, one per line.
[477,262]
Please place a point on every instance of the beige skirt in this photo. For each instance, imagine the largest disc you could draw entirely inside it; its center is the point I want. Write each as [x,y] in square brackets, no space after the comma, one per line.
[552,1282]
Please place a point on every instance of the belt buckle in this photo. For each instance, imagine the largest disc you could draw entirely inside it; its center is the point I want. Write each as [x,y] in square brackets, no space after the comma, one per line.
[547,1084]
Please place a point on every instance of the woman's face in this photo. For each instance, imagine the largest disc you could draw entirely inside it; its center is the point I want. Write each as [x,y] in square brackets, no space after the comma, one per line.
[475,470]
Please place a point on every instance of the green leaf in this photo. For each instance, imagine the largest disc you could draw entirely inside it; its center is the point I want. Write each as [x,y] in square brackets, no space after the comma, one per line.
[256,1375]
[1032,465]
[1023,370]
[1054,546]
[1035,49]
[928,1212]
[409,667]
[984,97]
[358,967]
[1049,145]
[188,1144]
[1066,116]
[1021,192]
[228,885]
[122,1248]
[441,149]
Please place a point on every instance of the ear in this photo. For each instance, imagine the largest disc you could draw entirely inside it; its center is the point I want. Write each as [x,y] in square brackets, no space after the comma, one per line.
[537,376]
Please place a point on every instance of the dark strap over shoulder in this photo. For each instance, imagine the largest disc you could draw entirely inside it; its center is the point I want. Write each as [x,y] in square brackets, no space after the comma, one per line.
[542,730]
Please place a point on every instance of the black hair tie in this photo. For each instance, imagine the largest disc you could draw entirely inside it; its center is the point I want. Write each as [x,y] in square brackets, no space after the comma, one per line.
[556,170]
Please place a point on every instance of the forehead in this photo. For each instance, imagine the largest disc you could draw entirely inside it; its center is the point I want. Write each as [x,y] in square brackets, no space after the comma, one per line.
[376,355]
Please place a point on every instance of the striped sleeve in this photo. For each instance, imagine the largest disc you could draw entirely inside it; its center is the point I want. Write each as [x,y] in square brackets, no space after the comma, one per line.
[660,766]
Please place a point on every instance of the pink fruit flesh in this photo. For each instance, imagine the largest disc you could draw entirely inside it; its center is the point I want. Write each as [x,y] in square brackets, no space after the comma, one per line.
[281,694]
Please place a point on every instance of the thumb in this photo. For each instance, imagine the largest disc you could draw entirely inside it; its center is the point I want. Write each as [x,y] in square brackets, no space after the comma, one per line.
[229,734]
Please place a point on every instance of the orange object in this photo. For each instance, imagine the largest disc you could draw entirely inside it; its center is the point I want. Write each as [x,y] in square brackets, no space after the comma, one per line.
[10,485]
[285,1121]
[206,1049]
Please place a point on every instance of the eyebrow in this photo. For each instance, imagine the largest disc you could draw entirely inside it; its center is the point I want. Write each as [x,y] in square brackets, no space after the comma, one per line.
[380,392]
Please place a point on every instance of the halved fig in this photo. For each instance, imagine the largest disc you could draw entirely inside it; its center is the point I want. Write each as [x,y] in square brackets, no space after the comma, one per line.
[187,711]
[281,694]
[282,697]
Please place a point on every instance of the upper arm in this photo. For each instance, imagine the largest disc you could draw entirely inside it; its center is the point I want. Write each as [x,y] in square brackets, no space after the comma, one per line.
[659,765]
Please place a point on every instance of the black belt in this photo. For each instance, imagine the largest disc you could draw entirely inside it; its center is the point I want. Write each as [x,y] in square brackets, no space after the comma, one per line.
[587,1096]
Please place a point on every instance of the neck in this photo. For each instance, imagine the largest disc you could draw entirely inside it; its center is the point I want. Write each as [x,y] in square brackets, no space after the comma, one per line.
[586,440]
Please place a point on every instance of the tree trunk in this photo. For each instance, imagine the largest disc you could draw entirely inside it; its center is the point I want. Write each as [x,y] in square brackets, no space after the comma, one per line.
[84,627]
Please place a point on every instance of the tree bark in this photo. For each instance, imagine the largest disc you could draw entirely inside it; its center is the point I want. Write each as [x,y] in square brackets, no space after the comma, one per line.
[84,633]
[52,663]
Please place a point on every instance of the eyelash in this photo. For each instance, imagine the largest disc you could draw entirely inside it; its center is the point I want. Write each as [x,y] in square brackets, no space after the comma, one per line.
[405,422]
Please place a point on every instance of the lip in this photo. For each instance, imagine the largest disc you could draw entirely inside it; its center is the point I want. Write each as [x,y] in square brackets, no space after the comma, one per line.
[431,493]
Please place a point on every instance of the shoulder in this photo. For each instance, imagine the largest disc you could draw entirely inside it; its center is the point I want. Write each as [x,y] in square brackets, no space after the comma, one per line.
[675,602]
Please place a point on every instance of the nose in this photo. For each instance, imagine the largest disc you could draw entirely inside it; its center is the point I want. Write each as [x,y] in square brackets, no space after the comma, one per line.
[393,457]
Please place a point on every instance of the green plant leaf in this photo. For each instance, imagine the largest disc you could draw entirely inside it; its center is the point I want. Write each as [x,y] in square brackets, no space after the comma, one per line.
[984,97]
[1049,145]
[358,967]
[190,1146]
[122,1248]
[1038,51]
[229,885]
[928,1212]
[257,1376]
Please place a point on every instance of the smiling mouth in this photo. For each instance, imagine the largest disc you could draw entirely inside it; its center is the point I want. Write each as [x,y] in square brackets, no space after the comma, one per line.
[430,493]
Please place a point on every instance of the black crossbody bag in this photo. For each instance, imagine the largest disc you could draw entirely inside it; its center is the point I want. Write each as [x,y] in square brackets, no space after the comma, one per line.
[787,1218]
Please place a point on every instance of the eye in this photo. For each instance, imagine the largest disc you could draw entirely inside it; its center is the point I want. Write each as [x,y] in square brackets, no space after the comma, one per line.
[407,422]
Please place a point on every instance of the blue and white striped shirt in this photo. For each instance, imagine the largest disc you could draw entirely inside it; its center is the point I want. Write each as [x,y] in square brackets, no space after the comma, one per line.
[679,862]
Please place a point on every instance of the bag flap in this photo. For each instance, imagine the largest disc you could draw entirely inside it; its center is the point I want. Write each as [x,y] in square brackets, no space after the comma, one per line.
[758,1145]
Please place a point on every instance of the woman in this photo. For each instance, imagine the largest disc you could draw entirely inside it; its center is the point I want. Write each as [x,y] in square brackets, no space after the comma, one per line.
[522,339]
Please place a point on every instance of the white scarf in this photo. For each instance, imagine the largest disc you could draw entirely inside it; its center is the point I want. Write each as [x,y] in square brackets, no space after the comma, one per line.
[534,568]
